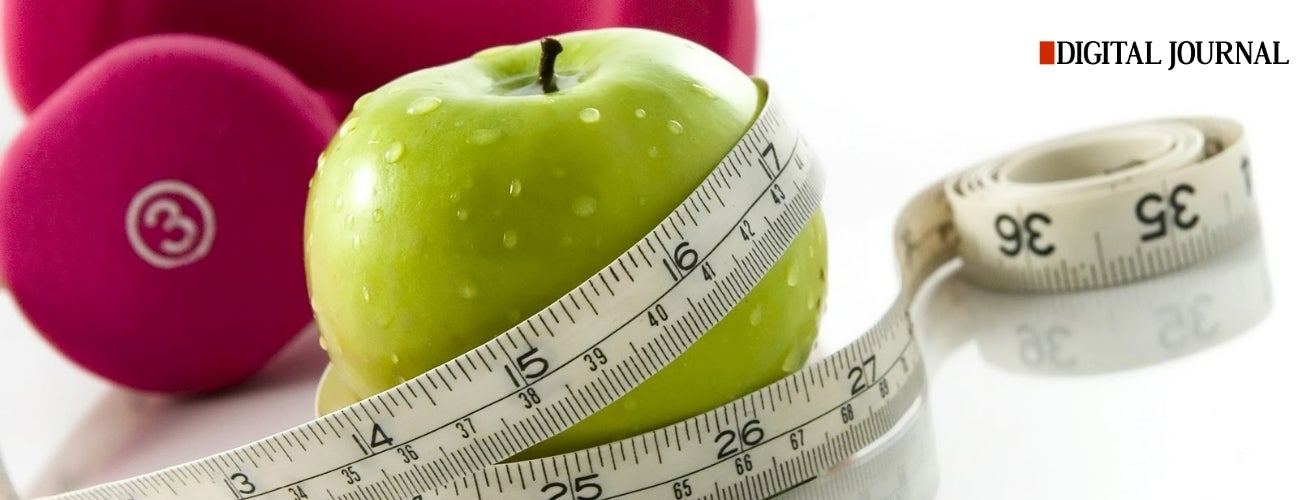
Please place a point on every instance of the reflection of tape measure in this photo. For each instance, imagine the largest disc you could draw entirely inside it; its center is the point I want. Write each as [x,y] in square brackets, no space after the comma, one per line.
[1097,209]
[1125,327]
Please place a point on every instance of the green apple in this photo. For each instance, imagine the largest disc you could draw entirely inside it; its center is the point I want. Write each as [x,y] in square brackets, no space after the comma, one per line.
[458,200]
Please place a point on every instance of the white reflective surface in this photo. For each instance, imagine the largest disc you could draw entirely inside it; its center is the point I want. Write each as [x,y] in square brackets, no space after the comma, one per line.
[1115,329]
[1163,388]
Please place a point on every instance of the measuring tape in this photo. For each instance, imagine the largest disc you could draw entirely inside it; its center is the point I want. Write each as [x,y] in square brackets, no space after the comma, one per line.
[902,466]
[1091,210]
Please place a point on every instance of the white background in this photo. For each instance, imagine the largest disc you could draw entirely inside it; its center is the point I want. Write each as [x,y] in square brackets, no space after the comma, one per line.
[894,95]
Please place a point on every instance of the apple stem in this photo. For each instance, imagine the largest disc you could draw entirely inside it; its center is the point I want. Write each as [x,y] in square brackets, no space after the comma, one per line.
[550,49]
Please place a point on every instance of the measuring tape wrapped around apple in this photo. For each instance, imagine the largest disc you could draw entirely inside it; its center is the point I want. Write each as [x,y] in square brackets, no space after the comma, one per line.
[1095,209]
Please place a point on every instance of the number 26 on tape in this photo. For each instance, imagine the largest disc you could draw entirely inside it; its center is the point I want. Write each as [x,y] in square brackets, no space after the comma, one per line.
[733,441]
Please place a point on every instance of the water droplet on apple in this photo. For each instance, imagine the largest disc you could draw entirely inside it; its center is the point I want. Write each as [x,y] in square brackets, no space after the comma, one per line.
[462,214]
[516,188]
[589,115]
[356,241]
[338,202]
[707,92]
[640,113]
[365,293]
[755,317]
[349,221]
[377,215]
[455,197]
[423,105]
[395,359]
[319,161]
[310,182]
[484,136]
[468,291]
[510,239]
[653,151]
[348,126]
[792,278]
[394,152]
[323,345]
[583,206]
[811,302]
[675,127]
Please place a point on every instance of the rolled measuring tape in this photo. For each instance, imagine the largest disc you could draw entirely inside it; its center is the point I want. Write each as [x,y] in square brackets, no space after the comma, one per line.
[1090,210]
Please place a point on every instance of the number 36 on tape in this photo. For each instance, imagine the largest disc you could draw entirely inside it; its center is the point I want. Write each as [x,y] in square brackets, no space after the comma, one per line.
[1085,211]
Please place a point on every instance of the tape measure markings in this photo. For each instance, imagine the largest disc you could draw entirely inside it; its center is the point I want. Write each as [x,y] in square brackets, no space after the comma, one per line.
[902,467]
[658,350]
[752,415]
[785,434]
[1151,206]
[926,238]
[367,433]
[810,395]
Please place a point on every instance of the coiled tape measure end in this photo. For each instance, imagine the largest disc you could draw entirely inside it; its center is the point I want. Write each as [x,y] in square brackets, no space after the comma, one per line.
[1105,207]
[1089,210]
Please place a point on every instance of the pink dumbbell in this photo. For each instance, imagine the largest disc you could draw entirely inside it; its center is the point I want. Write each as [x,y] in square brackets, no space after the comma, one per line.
[152,212]
[345,47]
